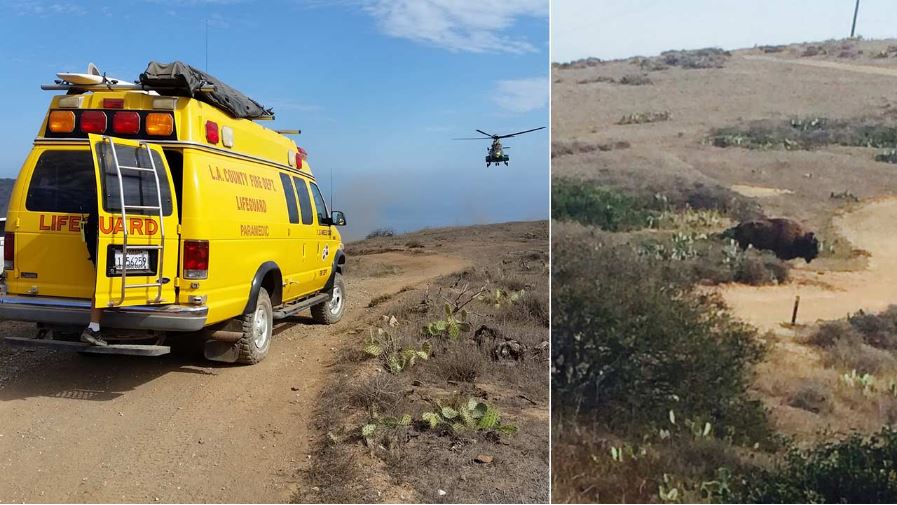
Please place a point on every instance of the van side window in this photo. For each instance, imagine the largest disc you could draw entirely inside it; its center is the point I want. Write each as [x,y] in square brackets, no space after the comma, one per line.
[139,187]
[63,181]
[176,167]
[304,201]
[323,216]
[290,196]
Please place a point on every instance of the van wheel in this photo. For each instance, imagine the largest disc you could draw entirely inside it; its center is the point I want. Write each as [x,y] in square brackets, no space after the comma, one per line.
[257,329]
[332,310]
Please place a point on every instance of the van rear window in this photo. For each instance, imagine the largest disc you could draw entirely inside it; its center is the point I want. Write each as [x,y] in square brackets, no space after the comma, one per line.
[63,181]
[139,186]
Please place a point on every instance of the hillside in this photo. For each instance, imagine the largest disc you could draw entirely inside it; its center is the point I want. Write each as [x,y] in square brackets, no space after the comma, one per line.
[5,191]
[297,417]
[703,139]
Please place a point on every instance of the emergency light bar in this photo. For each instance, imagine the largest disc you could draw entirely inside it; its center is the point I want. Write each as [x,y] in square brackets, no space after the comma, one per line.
[126,123]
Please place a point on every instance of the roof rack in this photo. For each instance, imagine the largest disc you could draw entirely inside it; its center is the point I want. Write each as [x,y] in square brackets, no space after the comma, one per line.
[175,79]
[60,85]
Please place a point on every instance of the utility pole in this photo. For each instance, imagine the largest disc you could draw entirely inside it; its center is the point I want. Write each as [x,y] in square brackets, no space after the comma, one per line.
[853,27]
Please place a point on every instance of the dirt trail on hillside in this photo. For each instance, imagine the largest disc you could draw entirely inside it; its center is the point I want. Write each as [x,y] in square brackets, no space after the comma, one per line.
[831,295]
[848,67]
[77,428]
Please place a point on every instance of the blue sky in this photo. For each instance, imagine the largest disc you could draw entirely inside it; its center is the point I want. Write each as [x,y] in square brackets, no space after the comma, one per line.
[618,29]
[377,87]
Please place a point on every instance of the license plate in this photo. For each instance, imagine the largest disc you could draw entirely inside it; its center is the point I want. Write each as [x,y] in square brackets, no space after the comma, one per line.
[137,261]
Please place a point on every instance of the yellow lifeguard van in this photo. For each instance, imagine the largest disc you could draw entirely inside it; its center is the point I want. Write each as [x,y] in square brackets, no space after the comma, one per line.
[206,222]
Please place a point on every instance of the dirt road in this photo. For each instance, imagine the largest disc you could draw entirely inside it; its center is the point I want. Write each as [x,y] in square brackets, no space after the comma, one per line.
[831,295]
[76,428]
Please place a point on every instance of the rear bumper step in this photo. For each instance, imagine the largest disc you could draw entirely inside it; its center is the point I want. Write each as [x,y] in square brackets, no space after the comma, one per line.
[76,312]
[130,349]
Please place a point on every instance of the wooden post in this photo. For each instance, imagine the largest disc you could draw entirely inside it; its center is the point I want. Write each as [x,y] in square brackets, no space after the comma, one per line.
[794,312]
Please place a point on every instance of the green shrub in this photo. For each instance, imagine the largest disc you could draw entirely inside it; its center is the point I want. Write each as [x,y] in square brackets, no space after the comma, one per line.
[855,470]
[709,57]
[645,117]
[876,330]
[808,133]
[381,232]
[636,80]
[758,268]
[632,341]
[588,203]
[698,258]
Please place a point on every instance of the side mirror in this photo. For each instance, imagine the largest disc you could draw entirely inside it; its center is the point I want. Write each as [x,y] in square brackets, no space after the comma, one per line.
[337,218]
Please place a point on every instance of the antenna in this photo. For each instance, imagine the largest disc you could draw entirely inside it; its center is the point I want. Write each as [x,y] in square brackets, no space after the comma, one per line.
[207,44]
[331,188]
[853,27]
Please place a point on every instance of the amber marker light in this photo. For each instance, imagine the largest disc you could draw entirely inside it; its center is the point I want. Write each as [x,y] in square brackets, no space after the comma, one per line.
[62,121]
[159,123]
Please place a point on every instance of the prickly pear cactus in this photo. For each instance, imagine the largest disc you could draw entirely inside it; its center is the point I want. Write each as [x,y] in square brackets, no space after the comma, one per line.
[489,420]
[432,418]
[374,346]
[449,413]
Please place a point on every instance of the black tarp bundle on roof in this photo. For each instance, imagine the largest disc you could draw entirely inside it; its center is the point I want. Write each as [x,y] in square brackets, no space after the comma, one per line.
[178,78]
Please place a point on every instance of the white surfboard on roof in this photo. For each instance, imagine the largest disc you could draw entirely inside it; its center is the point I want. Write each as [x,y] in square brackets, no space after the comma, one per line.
[93,76]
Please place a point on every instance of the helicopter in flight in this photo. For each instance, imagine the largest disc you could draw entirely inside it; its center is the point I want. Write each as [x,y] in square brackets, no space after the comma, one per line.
[495,153]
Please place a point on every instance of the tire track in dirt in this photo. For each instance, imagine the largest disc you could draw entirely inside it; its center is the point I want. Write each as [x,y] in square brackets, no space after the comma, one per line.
[830,295]
[847,67]
[75,428]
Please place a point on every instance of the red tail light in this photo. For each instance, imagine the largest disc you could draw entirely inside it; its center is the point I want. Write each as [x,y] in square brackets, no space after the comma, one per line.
[196,259]
[212,132]
[93,121]
[126,122]
[113,103]
[9,250]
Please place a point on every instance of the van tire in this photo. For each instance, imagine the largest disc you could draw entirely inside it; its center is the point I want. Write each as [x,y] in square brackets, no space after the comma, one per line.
[257,328]
[327,313]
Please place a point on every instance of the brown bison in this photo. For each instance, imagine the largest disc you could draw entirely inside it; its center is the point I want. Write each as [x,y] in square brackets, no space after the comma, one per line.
[785,237]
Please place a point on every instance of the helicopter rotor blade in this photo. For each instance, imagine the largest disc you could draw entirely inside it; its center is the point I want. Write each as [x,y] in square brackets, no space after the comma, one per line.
[473,138]
[518,133]
[487,134]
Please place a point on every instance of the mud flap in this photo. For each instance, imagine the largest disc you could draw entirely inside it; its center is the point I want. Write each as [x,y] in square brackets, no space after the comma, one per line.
[225,352]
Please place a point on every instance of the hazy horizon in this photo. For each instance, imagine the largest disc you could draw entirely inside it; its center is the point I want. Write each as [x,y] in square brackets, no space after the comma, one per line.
[604,29]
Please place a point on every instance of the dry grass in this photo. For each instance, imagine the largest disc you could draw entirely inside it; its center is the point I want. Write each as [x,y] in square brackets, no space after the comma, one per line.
[583,470]
[801,384]
[636,80]
[562,148]
[645,117]
[411,463]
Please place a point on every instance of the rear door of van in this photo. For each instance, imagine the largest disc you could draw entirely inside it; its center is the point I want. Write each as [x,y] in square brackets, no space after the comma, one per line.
[137,244]
[48,207]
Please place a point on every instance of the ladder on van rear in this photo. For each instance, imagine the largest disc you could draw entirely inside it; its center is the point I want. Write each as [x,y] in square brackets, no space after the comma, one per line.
[160,247]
